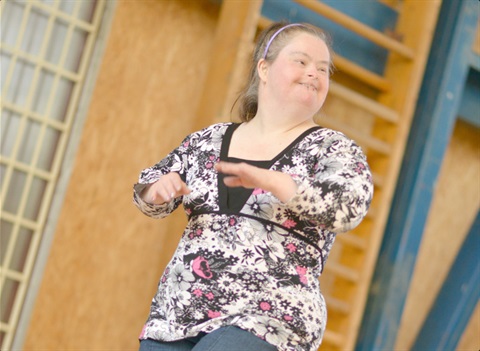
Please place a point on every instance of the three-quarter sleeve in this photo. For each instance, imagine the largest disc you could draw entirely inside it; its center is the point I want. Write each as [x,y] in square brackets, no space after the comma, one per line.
[339,194]
[175,161]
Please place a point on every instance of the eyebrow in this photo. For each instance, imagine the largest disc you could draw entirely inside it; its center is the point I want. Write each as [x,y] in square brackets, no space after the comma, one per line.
[308,56]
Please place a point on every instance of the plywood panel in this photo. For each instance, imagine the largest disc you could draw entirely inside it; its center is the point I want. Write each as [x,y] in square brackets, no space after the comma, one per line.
[228,68]
[476,43]
[470,340]
[454,207]
[106,256]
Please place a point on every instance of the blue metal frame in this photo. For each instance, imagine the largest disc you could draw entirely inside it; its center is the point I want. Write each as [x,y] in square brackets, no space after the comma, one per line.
[456,300]
[433,123]
[469,111]
[345,42]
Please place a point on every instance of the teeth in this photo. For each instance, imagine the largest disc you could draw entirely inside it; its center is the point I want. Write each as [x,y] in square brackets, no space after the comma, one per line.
[309,86]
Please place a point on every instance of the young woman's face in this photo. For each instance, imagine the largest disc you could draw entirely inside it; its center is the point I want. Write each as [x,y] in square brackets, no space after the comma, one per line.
[300,73]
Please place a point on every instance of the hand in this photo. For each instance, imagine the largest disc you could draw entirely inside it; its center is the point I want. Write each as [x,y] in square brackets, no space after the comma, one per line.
[242,174]
[168,187]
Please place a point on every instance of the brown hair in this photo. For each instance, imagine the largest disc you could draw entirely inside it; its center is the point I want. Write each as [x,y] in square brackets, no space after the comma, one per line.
[281,33]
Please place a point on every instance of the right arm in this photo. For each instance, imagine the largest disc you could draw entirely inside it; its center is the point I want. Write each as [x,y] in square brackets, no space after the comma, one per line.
[165,189]
[160,188]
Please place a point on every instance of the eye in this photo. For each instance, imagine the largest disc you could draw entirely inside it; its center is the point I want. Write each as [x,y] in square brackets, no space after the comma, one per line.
[301,62]
[323,70]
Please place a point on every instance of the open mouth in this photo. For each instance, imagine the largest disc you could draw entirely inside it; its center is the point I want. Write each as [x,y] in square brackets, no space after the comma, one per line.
[309,86]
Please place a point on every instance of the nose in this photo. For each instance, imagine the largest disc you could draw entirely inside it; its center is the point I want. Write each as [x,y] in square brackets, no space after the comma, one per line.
[312,72]
[313,75]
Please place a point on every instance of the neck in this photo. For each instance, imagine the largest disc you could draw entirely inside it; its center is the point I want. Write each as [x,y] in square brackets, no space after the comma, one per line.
[278,121]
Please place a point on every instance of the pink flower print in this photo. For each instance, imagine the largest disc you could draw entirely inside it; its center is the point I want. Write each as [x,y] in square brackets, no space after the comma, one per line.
[301,270]
[209,296]
[164,277]
[198,292]
[209,165]
[291,247]
[265,306]
[289,223]
[185,144]
[232,221]
[258,191]
[287,317]
[201,267]
[213,314]
[143,332]
[360,168]
[198,232]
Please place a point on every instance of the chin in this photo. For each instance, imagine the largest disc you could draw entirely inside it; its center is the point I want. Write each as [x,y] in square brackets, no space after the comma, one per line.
[313,104]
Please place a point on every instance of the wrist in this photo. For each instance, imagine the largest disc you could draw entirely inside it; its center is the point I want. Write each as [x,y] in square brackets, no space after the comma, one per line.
[282,186]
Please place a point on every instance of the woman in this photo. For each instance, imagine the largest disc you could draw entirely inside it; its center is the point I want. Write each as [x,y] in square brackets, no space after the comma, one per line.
[265,199]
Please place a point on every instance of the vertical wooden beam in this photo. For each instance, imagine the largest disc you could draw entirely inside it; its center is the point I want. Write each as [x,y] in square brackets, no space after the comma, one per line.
[456,300]
[416,25]
[231,47]
[431,130]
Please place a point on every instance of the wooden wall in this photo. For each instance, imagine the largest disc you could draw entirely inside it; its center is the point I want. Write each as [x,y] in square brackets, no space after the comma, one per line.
[454,208]
[107,257]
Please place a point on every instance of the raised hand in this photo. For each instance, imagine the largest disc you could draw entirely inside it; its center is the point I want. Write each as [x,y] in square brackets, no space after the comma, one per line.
[242,174]
[168,187]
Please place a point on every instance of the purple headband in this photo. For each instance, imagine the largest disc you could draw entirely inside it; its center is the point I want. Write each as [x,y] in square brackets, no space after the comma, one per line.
[275,34]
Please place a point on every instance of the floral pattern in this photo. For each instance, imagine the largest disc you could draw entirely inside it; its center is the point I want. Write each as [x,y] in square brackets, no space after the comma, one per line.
[256,268]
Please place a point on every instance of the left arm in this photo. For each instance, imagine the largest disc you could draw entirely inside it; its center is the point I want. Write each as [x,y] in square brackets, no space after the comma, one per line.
[281,185]
[337,197]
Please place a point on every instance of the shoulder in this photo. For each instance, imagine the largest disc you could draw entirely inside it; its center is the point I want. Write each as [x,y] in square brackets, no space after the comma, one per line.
[330,140]
[213,128]
[208,132]
[217,126]
[325,136]
[327,133]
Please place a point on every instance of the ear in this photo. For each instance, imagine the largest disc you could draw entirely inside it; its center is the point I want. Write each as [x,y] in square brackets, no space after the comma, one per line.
[262,69]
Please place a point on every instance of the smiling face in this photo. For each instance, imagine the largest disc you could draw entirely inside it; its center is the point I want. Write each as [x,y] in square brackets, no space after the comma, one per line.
[299,76]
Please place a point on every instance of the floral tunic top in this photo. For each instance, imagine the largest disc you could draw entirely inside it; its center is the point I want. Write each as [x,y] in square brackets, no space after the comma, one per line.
[258,267]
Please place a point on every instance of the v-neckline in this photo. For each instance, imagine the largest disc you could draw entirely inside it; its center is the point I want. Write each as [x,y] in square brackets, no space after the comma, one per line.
[227,137]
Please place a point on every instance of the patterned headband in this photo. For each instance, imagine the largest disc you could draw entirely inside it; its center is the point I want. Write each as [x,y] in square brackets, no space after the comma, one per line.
[275,34]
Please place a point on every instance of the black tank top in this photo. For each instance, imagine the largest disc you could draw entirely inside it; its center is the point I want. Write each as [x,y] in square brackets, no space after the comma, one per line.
[237,196]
